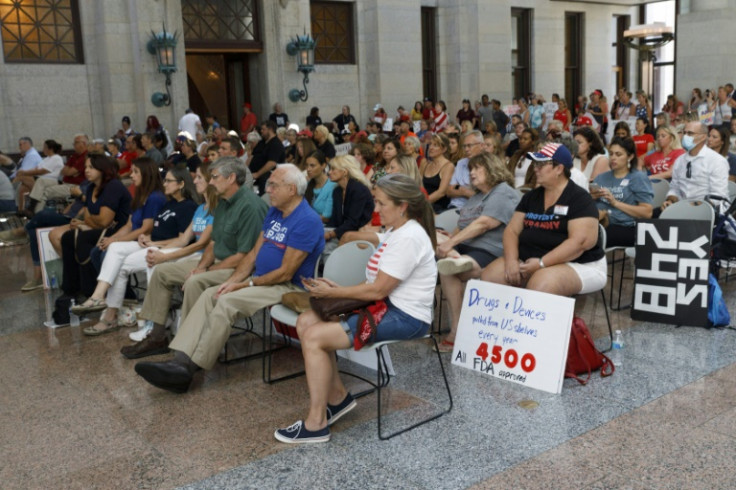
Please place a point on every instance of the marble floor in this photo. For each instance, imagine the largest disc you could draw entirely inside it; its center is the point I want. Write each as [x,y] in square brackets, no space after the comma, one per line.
[73,414]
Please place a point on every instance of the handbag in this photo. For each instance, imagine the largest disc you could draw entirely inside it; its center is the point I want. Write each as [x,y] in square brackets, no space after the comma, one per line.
[582,355]
[718,315]
[331,309]
[297,301]
[85,244]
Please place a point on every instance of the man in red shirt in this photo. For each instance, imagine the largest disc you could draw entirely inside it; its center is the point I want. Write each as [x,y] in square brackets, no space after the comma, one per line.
[72,175]
[248,122]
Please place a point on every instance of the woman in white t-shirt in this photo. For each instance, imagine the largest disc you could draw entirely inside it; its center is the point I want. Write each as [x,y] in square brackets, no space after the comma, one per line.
[402,271]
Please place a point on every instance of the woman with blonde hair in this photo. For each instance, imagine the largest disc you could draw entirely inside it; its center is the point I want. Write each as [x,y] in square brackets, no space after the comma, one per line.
[325,141]
[478,239]
[404,164]
[667,149]
[352,202]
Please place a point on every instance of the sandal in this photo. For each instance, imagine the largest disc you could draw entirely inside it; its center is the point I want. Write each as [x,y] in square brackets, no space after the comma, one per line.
[444,346]
[90,306]
[108,326]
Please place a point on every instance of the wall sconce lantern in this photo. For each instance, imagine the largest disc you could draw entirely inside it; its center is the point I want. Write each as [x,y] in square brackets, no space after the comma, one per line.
[303,48]
[163,46]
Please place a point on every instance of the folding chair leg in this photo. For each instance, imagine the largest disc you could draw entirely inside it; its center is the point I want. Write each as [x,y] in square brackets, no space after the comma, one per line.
[382,380]
[268,351]
[608,320]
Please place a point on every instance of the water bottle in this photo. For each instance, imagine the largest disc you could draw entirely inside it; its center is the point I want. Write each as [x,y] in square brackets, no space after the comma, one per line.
[53,281]
[617,353]
[73,319]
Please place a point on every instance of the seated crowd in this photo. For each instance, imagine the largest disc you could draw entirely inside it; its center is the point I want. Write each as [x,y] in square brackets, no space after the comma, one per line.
[188,213]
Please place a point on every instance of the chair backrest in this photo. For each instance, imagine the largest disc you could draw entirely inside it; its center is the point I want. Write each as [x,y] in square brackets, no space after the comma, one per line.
[661,187]
[266,198]
[346,264]
[691,209]
[602,236]
[447,220]
[731,190]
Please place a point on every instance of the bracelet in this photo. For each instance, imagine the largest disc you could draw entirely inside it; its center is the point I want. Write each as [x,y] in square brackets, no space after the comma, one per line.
[250,283]
[541,263]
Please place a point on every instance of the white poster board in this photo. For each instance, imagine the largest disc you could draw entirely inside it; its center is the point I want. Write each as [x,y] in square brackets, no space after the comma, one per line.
[50,260]
[514,334]
[343,149]
[388,126]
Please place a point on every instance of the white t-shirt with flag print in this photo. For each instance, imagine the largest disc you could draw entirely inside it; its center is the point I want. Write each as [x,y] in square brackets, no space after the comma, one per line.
[406,254]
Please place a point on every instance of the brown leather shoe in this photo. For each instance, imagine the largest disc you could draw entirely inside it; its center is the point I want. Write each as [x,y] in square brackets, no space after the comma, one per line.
[146,347]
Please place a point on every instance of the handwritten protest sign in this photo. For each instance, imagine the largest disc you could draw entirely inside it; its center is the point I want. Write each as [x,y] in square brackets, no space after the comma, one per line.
[514,334]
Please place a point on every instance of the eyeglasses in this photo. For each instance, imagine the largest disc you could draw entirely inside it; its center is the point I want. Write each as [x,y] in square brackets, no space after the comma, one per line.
[168,181]
[214,176]
[689,172]
[274,185]
[470,145]
[542,164]
[691,133]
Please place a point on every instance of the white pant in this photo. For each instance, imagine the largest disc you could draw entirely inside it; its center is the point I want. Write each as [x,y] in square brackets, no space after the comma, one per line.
[121,260]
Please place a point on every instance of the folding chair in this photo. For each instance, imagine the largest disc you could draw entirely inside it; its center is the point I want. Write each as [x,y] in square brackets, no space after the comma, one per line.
[346,266]
[446,221]
[383,378]
[602,243]
[660,187]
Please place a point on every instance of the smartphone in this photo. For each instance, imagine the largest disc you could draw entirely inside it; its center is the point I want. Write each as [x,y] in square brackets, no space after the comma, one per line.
[594,187]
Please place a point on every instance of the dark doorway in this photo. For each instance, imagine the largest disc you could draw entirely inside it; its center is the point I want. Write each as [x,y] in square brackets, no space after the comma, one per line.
[429,52]
[219,85]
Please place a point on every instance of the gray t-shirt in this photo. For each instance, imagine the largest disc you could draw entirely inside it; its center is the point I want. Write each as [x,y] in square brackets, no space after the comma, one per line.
[499,203]
[486,114]
[635,188]
[6,188]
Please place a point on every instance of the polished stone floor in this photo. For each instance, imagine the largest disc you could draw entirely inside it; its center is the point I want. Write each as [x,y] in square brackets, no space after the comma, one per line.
[73,414]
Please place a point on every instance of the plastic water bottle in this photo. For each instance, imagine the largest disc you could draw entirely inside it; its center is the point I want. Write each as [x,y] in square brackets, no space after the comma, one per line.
[73,319]
[617,353]
[53,281]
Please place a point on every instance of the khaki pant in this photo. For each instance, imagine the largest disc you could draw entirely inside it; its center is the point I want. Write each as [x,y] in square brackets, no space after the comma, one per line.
[170,275]
[48,189]
[204,331]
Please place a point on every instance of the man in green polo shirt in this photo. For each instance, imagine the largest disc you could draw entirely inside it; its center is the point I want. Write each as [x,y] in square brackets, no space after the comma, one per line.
[238,219]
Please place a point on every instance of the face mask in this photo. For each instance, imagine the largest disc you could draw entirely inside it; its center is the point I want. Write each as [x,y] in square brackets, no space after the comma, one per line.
[688,142]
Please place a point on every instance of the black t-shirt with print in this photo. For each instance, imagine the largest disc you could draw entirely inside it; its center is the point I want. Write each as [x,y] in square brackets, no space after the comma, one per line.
[546,229]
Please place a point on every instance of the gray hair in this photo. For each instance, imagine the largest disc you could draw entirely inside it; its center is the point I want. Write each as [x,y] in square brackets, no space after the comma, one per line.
[281,131]
[81,135]
[228,166]
[253,137]
[414,141]
[294,176]
[27,139]
[475,133]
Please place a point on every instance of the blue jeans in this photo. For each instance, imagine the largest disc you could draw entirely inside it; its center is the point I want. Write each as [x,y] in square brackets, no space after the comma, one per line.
[395,325]
[43,219]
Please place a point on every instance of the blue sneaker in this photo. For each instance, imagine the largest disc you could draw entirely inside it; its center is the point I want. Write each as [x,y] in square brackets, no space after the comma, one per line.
[334,412]
[297,434]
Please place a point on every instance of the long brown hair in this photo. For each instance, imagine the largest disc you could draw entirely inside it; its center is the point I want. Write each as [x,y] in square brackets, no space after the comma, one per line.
[211,196]
[402,188]
[150,181]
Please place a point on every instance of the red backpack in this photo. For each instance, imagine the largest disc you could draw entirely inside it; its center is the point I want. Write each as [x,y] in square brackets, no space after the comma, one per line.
[582,355]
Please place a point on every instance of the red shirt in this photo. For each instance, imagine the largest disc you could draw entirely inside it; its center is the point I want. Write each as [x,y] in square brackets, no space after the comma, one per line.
[128,156]
[247,123]
[657,163]
[75,160]
[561,116]
[642,143]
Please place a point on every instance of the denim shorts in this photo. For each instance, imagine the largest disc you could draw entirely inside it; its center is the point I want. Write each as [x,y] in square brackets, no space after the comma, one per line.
[395,325]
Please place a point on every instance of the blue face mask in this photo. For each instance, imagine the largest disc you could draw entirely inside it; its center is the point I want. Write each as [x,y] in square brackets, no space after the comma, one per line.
[688,142]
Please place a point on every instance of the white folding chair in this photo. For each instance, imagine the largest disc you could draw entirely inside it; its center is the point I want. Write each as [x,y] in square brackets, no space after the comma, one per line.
[690,209]
[731,190]
[602,242]
[447,220]
[660,187]
[346,266]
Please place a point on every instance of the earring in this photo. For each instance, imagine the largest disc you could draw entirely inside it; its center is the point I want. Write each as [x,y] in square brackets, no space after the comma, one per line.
[402,214]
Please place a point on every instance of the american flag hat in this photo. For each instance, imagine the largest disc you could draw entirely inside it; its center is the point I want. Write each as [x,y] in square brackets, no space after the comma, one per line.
[555,152]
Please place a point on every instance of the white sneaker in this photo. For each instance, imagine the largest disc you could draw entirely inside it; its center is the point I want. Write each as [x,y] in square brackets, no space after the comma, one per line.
[450,267]
[141,333]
